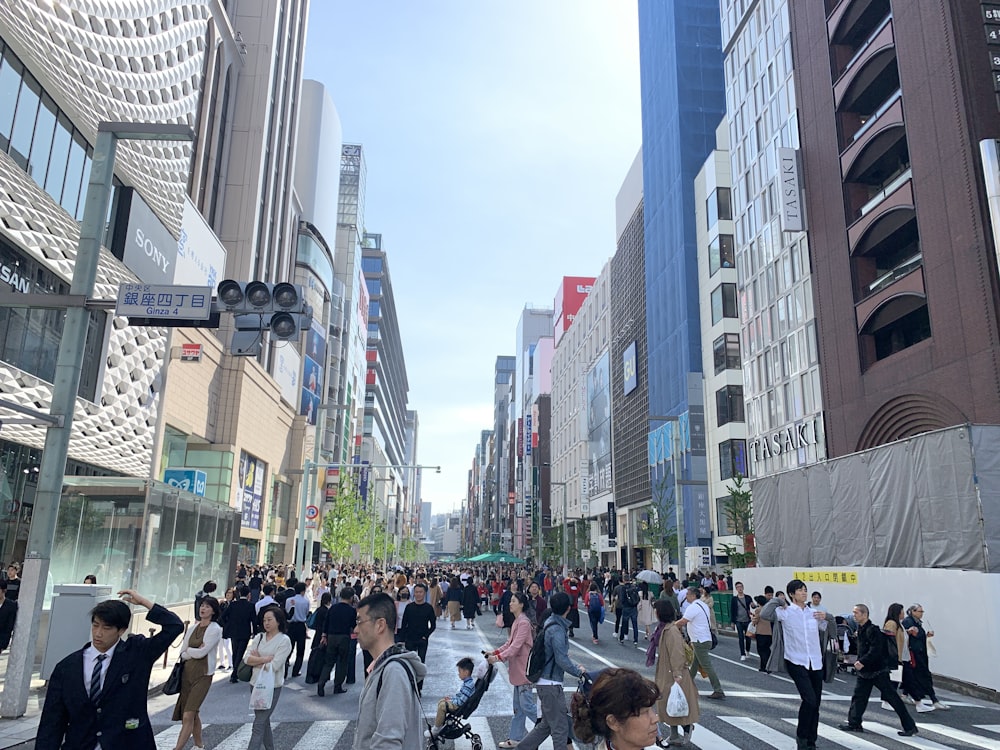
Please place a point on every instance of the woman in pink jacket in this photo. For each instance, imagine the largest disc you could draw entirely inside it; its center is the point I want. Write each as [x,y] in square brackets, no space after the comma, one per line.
[515,652]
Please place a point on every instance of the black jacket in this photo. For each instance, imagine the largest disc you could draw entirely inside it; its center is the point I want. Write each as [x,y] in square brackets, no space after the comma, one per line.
[871,650]
[734,606]
[71,721]
[238,621]
[8,613]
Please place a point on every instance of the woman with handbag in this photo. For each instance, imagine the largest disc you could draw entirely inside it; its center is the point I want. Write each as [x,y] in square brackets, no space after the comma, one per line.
[273,648]
[198,656]
[892,628]
[515,652]
[672,666]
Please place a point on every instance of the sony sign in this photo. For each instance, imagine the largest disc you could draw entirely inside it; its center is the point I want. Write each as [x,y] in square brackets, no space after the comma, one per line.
[792,219]
[144,244]
[786,440]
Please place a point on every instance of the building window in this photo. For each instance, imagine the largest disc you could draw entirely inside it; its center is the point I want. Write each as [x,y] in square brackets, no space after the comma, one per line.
[719,206]
[732,458]
[726,352]
[724,524]
[721,253]
[729,404]
[723,302]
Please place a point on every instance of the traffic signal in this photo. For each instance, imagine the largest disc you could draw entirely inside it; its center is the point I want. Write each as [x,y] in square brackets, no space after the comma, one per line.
[258,306]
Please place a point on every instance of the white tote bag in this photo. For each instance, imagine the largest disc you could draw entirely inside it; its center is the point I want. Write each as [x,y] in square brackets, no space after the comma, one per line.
[263,691]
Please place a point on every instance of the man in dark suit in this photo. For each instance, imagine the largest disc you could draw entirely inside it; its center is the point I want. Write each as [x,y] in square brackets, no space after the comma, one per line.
[8,614]
[96,696]
[238,623]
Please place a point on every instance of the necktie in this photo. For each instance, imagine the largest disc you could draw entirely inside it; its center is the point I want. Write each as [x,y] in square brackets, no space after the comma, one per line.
[95,677]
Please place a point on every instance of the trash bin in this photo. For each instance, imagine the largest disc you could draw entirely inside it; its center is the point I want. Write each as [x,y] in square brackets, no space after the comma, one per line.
[722,601]
[69,620]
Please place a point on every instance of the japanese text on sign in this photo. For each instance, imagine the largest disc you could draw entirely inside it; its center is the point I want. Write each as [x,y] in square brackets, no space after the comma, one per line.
[826,576]
[147,300]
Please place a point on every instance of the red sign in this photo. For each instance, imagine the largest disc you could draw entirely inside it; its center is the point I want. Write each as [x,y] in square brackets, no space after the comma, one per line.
[190,352]
[572,292]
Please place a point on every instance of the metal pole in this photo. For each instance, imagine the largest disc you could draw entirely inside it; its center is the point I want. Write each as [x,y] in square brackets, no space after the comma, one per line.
[678,500]
[303,504]
[565,531]
[69,364]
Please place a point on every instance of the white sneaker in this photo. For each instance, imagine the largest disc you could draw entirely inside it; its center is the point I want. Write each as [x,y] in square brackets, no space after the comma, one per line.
[743,658]
[942,706]
[923,708]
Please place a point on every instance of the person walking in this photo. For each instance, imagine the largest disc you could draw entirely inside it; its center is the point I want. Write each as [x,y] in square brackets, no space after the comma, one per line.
[454,598]
[554,720]
[198,655]
[647,617]
[740,614]
[297,612]
[804,633]
[102,709]
[672,667]
[762,635]
[224,656]
[270,651]
[620,710]
[419,623]
[595,605]
[317,650]
[238,625]
[340,621]
[698,620]
[917,679]
[893,627]
[8,615]
[627,596]
[470,603]
[872,668]
[515,653]
[389,713]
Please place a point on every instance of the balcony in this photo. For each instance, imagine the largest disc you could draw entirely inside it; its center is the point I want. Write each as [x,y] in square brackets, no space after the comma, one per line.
[850,22]
[896,299]
[882,130]
[883,38]
[899,197]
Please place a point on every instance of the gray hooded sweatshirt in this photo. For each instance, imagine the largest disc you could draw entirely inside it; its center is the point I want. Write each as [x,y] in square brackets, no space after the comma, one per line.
[390,718]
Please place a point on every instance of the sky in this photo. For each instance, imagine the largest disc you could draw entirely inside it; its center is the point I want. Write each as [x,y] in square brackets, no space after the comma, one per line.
[496,137]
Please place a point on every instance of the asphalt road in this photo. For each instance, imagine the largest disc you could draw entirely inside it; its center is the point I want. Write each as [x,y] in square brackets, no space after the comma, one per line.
[758,712]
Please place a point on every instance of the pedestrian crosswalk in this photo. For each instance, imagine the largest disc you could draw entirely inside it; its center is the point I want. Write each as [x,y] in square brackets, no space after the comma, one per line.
[726,732]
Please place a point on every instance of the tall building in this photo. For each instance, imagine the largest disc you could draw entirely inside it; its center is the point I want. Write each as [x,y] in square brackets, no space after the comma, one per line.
[682,93]
[781,364]
[499,479]
[725,423]
[899,97]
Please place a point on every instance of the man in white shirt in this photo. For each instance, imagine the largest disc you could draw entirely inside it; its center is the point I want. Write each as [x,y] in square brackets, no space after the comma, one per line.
[816,601]
[699,628]
[800,629]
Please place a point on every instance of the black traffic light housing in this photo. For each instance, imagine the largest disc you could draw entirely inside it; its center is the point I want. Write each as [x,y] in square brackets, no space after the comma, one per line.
[259,306]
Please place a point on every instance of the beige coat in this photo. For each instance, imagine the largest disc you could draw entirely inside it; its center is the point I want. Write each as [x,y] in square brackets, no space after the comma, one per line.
[670,661]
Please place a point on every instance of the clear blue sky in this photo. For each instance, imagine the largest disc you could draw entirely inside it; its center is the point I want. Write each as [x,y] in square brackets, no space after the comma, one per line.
[496,136]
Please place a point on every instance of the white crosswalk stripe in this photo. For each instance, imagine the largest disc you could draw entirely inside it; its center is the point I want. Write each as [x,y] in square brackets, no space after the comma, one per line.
[322,735]
[917,741]
[773,737]
[839,737]
[989,727]
[166,739]
[969,738]
[239,739]
[706,739]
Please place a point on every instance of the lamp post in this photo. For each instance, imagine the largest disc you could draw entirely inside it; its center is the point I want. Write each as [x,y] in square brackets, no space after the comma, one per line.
[565,529]
[69,365]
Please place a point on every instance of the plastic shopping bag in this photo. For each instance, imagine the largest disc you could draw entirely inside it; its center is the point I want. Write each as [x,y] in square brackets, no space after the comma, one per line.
[677,704]
[263,691]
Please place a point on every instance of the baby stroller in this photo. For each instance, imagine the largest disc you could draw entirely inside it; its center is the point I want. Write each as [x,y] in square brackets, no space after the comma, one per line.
[455,725]
[846,643]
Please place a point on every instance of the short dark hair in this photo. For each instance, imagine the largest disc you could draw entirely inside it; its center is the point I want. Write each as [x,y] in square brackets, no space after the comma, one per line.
[112,612]
[279,615]
[622,693]
[212,602]
[466,664]
[665,611]
[738,583]
[380,607]
[347,594]
[300,587]
[209,587]
[242,591]
[420,586]
[268,589]
[560,603]
[795,585]
[816,593]
[769,589]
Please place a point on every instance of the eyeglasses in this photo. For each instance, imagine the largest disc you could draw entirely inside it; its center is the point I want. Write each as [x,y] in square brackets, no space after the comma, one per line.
[369,619]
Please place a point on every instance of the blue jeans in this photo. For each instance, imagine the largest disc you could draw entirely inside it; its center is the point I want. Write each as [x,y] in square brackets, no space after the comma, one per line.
[595,620]
[524,708]
[629,614]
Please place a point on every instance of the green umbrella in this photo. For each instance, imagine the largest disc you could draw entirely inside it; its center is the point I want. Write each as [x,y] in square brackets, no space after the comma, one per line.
[179,552]
[500,557]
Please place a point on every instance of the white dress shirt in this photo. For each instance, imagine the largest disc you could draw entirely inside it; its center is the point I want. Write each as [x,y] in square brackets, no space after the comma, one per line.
[90,659]
[800,635]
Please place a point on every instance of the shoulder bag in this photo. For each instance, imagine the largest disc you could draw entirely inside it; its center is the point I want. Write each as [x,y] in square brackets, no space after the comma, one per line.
[173,684]
[245,672]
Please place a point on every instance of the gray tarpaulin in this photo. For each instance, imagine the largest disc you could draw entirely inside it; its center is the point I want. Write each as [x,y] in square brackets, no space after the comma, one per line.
[913,503]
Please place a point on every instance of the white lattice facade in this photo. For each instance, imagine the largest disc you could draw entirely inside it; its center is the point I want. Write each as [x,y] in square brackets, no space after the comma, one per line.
[121,60]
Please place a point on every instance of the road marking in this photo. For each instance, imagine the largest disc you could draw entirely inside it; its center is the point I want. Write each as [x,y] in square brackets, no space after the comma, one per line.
[167,739]
[709,740]
[989,727]
[239,739]
[744,665]
[962,736]
[778,696]
[592,654]
[762,732]
[842,738]
[322,735]
[915,741]
[481,726]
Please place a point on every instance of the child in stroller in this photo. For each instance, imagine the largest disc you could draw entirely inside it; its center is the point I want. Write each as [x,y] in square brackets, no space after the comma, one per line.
[453,718]
[846,643]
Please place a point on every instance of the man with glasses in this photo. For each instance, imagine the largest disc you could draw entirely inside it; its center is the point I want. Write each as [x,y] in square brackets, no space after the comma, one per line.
[389,716]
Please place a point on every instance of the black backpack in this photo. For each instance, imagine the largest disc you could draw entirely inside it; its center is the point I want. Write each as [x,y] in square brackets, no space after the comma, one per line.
[631,596]
[536,659]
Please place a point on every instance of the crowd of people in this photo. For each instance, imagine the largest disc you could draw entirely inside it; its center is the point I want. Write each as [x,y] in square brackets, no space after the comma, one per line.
[259,630]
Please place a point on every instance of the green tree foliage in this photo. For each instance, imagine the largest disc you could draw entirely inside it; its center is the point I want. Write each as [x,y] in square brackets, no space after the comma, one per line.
[347,523]
[739,511]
